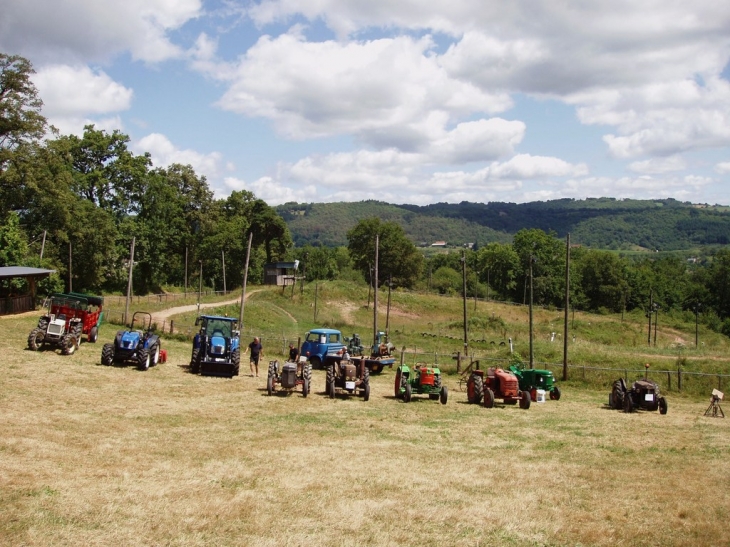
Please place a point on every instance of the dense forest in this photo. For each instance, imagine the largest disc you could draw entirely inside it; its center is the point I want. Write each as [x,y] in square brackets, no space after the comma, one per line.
[601,223]
[76,204]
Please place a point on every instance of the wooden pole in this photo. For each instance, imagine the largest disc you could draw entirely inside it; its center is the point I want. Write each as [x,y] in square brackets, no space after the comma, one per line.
[70,275]
[567,307]
[387,310]
[245,280]
[43,244]
[223,260]
[129,282]
[375,291]
[186,271]
[200,284]
[463,284]
[532,353]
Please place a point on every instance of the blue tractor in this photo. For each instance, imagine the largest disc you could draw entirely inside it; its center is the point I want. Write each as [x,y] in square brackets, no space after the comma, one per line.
[140,347]
[216,347]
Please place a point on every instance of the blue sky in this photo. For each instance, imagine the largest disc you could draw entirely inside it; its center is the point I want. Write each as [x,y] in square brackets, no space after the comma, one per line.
[400,101]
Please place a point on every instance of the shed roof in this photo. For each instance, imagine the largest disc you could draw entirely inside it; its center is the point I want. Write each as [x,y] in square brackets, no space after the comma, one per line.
[23,271]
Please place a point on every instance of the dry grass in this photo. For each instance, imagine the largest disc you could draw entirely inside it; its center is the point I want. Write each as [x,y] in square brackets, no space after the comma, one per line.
[93,455]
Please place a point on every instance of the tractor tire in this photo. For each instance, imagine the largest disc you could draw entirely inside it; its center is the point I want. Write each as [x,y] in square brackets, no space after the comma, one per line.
[305,387]
[409,392]
[68,344]
[307,373]
[628,404]
[93,335]
[398,383]
[488,398]
[525,400]
[107,354]
[436,388]
[42,323]
[77,330]
[155,354]
[555,393]
[270,384]
[662,405]
[332,388]
[618,395]
[444,395]
[475,389]
[366,376]
[195,362]
[35,339]
[236,361]
[143,359]
[366,393]
[330,381]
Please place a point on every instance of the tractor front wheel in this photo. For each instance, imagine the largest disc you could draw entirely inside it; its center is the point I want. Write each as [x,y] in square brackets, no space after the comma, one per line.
[236,361]
[662,405]
[329,382]
[488,398]
[195,361]
[628,404]
[107,354]
[305,387]
[93,335]
[270,385]
[35,339]
[444,396]
[332,388]
[366,392]
[143,359]
[408,393]
[68,344]
[555,393]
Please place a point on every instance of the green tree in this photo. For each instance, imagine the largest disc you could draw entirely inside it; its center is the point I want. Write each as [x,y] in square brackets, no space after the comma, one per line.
[13,242]
[20,106]
[603,282]
[548,262]
[499,265]
[398,257]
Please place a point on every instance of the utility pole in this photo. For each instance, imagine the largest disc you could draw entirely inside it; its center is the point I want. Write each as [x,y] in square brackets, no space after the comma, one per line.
[649,312]
[245,279]
[463,284]
[70,274]
[567,307]
[200,284]
[129,282]
[43,245]
[186,271]
[387,310]
[375,291]
[532,355]
[223,260]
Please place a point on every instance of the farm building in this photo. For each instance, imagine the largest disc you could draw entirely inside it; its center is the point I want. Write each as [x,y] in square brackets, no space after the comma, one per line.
[281,274]
[11,299]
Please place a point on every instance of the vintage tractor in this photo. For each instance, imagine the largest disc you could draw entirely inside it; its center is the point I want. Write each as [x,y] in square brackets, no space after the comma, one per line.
[140,347]
[216,347]
[532,379]
[69,317]
[291,376]
[422,379]
[497,383]
[350,377]
[643,394]
[377,357]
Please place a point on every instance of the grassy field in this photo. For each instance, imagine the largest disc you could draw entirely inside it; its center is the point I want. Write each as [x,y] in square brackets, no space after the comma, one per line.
[94,455]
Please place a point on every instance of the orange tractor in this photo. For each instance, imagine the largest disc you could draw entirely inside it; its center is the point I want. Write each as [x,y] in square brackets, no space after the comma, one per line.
[496,383]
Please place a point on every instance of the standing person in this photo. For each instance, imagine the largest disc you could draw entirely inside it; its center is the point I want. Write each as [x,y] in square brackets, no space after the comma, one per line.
[257,351]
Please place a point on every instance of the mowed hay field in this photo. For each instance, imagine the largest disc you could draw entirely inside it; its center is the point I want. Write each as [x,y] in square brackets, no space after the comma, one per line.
[94,455]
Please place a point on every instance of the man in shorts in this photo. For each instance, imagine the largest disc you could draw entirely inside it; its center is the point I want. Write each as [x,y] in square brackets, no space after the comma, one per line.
[257,351]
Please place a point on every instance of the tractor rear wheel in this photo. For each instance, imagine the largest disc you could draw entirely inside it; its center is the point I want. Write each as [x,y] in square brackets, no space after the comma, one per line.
[143,359]
[68,344]
[93,335]
[555,393]
[195,361]
[366,393]
[662,405]
[236,361]
[475,389]
[408,393]
[330,381]
[628,404]
[525,400]
[35,339]
[107,354]
[444,396]
[155,354]
[618,395]
[488,398]
[332,388]
[308,374]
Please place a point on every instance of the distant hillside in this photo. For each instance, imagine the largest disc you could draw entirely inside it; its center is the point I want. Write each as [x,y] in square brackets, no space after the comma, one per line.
[600,223]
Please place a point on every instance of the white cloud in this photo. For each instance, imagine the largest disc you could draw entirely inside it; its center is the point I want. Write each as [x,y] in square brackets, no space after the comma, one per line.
[164,153]
[657,166]
[90,30]
[387,92]
[77,96]
[723,167]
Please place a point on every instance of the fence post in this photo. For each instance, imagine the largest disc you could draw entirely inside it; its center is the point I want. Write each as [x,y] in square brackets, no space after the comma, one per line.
[679,379]
[669,381]
[172,328]
[719,383]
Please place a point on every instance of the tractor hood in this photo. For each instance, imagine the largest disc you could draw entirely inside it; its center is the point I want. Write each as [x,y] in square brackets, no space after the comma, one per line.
[217,345]
[130,340]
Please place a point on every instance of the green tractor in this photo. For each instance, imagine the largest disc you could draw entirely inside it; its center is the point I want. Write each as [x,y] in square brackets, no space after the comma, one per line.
[533,379]
[422,379]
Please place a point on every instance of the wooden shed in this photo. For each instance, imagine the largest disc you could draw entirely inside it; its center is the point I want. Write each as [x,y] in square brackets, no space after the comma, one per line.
[281,274]
[18,303]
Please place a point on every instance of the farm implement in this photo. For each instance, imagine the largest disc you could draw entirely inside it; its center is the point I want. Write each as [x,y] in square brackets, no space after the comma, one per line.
[70,315]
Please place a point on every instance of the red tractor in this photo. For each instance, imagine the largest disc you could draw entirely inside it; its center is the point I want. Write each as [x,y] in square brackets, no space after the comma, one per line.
[496,383]
[69,317]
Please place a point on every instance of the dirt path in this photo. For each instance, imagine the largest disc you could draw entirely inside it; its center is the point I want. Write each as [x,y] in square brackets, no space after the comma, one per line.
[162,316]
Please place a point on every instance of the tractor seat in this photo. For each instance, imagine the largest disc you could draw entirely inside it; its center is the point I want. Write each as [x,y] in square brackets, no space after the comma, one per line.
[218,333]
